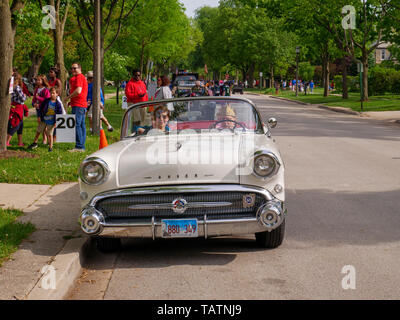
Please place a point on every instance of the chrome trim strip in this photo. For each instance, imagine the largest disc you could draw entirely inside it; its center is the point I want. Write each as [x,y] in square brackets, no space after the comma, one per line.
[153,228]
[181,189]
[205,226]
[187,206]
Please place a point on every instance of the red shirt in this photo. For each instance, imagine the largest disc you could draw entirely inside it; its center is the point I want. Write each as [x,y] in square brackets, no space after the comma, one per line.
[134,90]
[75,82]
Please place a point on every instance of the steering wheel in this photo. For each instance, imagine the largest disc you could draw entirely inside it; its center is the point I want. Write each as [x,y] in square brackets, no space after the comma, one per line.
[213,126]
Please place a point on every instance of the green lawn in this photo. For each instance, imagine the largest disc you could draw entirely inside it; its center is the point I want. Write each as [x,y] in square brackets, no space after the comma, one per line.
[60,165]
[12,232]
[375,103]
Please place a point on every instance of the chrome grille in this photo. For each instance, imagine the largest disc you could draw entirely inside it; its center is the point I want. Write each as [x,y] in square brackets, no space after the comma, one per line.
[132,206]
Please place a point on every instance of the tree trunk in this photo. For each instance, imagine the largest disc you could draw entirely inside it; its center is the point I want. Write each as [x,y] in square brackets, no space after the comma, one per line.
[58,35]
[6,59]
[142,58]
[96,68]
[325,75]
[272,82]
[118,85]
[36,62]
[345,90]
[365,76]
[251,75]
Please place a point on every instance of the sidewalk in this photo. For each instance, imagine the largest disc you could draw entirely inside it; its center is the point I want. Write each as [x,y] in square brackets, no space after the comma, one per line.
[54,211]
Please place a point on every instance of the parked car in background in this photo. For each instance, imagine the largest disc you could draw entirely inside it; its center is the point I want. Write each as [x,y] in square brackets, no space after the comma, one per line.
[186,168]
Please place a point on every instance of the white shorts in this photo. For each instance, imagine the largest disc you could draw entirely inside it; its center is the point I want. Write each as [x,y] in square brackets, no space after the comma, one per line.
[90,115]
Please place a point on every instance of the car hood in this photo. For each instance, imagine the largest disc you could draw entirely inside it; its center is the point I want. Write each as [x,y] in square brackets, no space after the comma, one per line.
[190,159]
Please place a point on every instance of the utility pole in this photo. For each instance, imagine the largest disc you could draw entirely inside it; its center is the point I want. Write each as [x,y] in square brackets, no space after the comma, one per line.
[96,68]
[297,70]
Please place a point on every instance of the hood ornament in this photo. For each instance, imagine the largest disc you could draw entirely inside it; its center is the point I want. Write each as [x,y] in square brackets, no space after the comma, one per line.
[179,205]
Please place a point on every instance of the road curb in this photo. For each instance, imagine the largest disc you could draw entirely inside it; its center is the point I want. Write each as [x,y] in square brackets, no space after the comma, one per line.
[67,266]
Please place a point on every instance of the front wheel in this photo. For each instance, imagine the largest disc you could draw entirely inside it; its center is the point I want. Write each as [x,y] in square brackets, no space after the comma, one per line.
[271,239]
[108,245]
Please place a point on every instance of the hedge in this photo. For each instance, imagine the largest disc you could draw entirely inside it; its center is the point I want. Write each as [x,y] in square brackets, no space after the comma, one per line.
[383,80]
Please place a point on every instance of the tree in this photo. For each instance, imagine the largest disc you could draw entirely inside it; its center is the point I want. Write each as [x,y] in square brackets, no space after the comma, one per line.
[113,15]
[116,69]
[59,18]
[159,31]
[8,24]
[29,54]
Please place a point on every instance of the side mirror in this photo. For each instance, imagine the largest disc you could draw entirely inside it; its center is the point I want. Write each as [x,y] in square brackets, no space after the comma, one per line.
[272,123]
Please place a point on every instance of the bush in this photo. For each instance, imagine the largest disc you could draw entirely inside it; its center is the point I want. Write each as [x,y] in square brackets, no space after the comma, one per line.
[395,85]
[353,83]
[379,81]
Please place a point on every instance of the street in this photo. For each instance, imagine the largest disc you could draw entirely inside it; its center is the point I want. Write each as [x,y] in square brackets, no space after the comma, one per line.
[343,201]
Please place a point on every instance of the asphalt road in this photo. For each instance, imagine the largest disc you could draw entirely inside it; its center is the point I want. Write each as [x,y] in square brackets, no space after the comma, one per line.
[343,200]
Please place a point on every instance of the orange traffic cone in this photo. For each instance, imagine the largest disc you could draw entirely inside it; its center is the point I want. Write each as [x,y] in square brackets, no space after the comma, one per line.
[103,140]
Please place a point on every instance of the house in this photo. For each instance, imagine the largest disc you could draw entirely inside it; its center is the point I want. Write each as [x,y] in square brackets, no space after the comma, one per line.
[382,53]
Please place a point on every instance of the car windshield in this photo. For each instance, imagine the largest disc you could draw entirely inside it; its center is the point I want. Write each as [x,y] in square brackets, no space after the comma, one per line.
[196,115]
[185,81]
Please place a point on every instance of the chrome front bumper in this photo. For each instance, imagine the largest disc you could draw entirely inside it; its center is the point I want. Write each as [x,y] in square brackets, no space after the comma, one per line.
[207,228]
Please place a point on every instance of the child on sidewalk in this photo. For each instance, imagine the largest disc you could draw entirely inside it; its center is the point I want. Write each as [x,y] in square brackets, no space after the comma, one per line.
[48,111]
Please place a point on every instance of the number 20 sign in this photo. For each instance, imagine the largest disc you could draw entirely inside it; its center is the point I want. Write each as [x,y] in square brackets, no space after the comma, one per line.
[65,125]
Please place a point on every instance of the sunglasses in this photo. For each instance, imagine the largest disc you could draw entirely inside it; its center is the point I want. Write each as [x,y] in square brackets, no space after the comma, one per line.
[137,75]
[74,68]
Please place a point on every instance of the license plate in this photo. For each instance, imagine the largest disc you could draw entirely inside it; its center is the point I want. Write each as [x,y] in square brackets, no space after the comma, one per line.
[182,228]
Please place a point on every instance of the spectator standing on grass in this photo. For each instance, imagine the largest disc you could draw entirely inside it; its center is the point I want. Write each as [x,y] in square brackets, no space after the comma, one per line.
[311,86]
[17,112]
[90,103]
[78,91]
[40,94]
[48,110]
[55,82]
[135,92]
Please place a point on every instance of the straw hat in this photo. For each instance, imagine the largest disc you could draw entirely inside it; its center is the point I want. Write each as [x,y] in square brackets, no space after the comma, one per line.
[89,74]
[227,111]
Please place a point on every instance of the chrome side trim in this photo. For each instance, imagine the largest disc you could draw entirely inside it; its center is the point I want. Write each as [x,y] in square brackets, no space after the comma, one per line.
[205,227]
[153,228]
[187,206]
[181,189]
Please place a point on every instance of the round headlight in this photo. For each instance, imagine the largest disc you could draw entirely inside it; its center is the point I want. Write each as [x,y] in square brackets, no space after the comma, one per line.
[265,165]
[94,171]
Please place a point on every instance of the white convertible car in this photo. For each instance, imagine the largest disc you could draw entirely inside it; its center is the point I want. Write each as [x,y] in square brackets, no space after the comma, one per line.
[184,168]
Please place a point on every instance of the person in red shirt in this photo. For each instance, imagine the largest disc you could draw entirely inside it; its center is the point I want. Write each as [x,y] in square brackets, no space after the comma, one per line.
[77,96]
[135,89]
[136,92]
